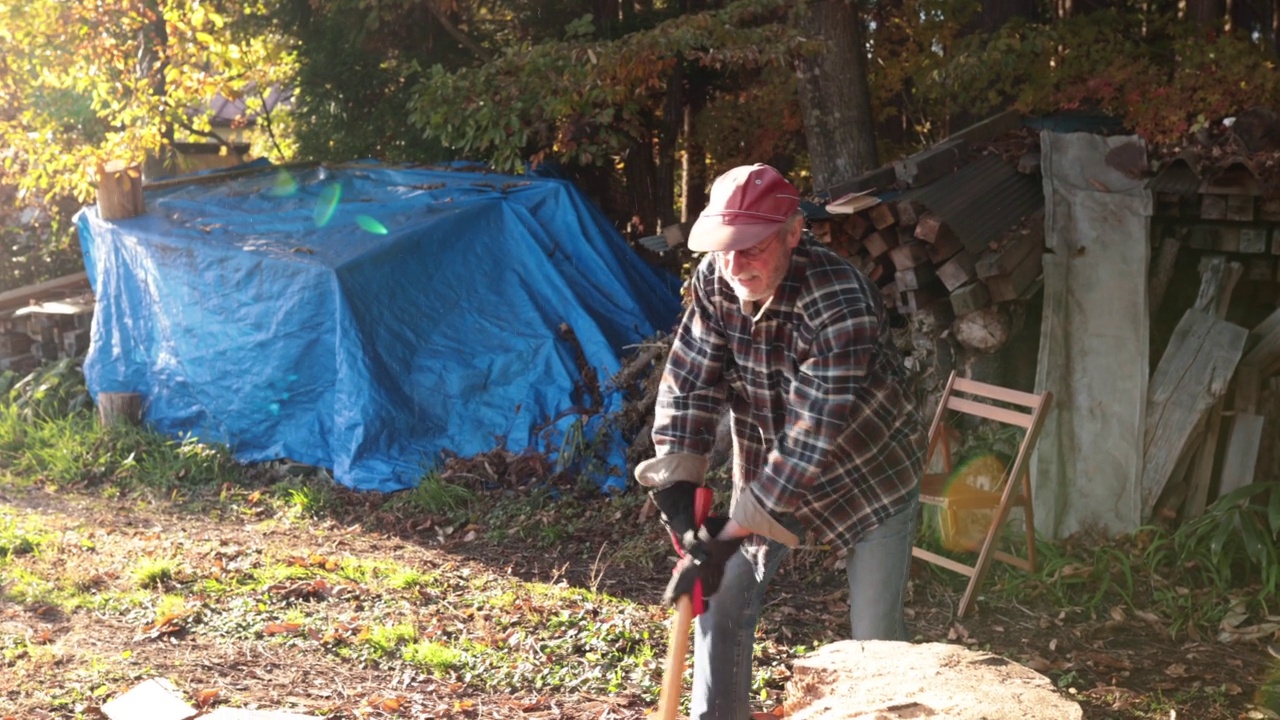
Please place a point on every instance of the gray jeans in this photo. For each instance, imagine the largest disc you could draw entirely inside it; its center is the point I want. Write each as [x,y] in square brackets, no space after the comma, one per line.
[724,635]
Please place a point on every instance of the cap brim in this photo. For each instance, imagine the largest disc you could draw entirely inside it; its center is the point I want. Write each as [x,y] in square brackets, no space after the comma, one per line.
[712,234]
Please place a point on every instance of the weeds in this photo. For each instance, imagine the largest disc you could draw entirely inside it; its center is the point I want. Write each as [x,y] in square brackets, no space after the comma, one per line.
[154,572]
[434,496]
[440,660]
[17,538]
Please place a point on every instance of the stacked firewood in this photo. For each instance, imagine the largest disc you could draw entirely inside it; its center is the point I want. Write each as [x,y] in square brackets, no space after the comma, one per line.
[920,264]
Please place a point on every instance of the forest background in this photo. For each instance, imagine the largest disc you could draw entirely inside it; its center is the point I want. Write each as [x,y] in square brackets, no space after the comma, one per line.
[639,101]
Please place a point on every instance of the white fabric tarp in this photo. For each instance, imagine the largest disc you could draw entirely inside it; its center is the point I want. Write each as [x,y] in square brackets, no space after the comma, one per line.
[1094,341]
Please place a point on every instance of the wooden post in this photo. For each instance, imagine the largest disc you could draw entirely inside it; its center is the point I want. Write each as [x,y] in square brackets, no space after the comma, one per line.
[119,191]
[115,408]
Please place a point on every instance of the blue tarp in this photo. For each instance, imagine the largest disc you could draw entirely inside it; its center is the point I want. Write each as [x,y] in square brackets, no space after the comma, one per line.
[365,318]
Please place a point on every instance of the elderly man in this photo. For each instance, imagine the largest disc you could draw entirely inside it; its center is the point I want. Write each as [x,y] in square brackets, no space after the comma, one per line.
[826,438]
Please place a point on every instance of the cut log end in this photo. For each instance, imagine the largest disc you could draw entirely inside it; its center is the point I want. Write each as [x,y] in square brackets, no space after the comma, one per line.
[120,191]
[119,408]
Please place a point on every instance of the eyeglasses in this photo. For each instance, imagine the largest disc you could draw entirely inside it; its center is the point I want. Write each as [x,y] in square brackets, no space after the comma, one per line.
[752,253]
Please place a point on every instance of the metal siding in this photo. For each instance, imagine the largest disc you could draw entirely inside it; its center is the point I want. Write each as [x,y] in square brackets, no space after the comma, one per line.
[982,200]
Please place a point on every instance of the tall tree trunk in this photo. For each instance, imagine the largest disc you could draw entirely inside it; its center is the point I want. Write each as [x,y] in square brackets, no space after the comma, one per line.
[995,13]
[640,173]
[1209,13]
[693,185]
[834,97]
[672,122]
[151,58]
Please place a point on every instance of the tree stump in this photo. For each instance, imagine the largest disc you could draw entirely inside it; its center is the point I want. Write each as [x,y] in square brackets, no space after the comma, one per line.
[985,330]
[116,408]
[119,191]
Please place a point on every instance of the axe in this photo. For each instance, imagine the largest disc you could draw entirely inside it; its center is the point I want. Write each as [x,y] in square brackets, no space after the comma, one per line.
[687,607]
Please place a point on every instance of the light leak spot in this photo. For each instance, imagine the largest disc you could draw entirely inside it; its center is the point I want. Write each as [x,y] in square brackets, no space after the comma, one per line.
[371,225]
[327,204]
[283,186]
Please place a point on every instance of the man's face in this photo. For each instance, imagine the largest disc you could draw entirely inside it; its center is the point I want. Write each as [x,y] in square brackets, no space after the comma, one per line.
[754,273]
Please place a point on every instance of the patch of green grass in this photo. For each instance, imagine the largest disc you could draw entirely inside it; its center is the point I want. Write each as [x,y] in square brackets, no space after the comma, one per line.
[438,659]
[384,639]
[18,537]
[154,572]
[308,499]
[280,573]
[410,578]
[435,496]
[360,571]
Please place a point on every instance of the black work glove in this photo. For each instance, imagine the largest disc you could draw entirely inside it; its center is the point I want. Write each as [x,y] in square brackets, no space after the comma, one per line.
[704,559]
[675,502]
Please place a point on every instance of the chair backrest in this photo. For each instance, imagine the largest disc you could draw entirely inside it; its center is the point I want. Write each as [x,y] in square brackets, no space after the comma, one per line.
[991,402]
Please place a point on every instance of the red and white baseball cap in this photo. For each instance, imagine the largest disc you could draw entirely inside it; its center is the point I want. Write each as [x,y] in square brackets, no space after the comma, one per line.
[747,205]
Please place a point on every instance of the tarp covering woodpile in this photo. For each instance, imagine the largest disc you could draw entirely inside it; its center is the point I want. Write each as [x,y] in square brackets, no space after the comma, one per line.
[368,318]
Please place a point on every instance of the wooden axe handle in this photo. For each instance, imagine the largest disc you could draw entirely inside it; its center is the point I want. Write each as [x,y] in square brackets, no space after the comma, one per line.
[678,647]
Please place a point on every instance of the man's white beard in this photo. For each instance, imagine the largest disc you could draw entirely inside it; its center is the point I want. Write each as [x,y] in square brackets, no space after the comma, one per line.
[747,295]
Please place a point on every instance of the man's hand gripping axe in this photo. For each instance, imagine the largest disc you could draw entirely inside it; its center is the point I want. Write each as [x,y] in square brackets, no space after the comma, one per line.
[687,607]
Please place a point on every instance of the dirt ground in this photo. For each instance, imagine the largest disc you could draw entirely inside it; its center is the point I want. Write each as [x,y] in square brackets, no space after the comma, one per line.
[1117,667]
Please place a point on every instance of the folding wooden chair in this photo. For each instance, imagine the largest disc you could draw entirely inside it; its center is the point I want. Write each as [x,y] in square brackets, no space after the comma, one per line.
[1001,405]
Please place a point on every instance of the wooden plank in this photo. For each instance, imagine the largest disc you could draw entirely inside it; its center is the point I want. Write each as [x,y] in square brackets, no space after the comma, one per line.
[857,225]
[1218,278]
[1240,207]
[944,248]
[1202,237]
[1196,368]
[909,254]
[1010,287]
[889,293]
[915,278]
[1266,327]
[1010,255]
[883,215]
[990,412]
[945,562]
[1254,240]
[880,242]
[67,284]
[1240,461]
[1213,207]
[909,212]
[1201,472]
[913,301]
[881,271]
[970,298]
[996,392]
[878,179]
[1269,209]
[957,271]
[928,165]
[1162,267]
[1262,269]
[1227,239]
[1265,353]
[929,227]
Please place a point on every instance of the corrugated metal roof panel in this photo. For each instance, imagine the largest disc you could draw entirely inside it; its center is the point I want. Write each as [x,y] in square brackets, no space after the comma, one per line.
[981,201]
[1177,177]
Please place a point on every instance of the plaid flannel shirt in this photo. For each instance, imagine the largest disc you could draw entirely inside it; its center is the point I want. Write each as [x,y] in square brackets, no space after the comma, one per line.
[824,428]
